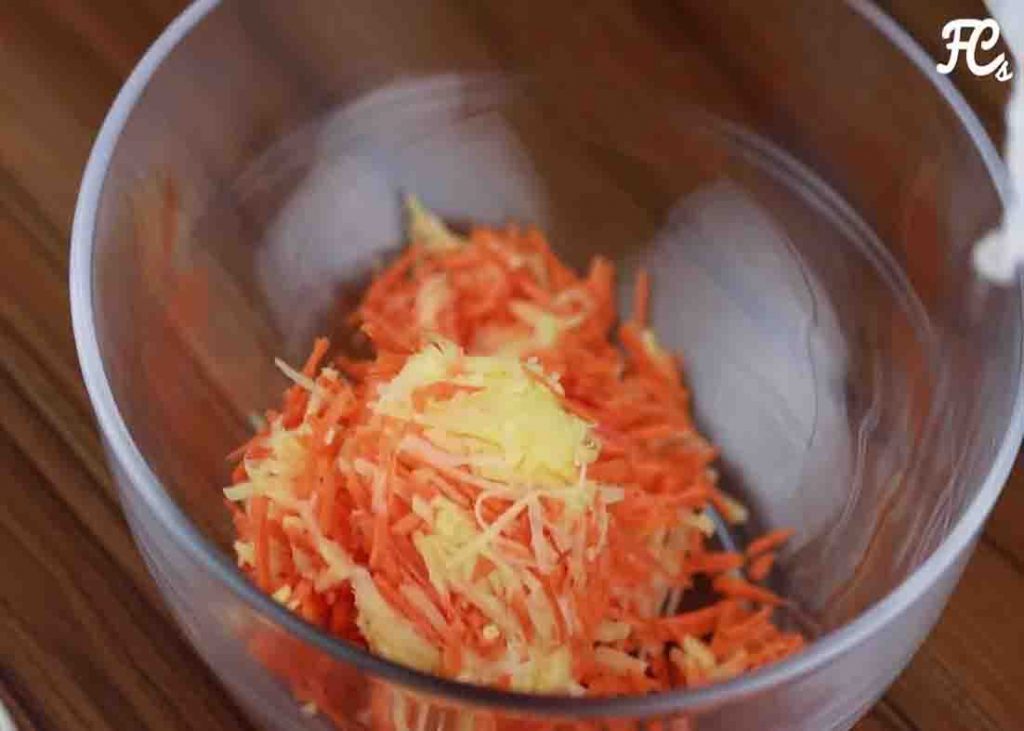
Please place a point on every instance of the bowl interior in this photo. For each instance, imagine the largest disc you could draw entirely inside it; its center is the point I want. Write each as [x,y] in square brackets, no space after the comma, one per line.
[808,237]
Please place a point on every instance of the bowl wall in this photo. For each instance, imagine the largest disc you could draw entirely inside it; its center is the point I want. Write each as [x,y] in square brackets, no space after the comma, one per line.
[802,187]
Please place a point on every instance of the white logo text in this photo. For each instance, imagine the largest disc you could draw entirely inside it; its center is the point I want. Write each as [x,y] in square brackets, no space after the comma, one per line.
[966,35]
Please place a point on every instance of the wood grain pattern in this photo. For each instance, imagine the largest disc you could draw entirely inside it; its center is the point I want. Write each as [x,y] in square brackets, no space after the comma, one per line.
[85,642]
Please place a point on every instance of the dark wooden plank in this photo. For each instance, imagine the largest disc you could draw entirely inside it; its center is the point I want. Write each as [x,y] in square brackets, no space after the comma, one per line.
[34,305]
[888,716]
[884,718]
[62,63]
[872,722]
[57,91]
[86,492]
[83,647]
[1005,529]
[969,673]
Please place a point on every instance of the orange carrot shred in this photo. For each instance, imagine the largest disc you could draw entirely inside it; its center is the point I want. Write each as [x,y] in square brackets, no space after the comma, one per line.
[259,505]
[761,566]
[740,589]
[715,563]
[407,524]
[641,297]
[769,541]
[320,346]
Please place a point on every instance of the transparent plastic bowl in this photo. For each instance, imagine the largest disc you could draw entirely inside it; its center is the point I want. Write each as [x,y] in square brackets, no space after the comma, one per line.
[803,186]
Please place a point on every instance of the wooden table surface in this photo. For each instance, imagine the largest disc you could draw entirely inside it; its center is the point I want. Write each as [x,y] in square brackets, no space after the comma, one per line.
[85,642]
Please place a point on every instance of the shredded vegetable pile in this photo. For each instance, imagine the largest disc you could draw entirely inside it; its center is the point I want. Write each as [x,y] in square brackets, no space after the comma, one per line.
[511,492]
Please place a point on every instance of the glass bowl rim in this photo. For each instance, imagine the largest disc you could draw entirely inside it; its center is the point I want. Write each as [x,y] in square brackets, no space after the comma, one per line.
[122,448]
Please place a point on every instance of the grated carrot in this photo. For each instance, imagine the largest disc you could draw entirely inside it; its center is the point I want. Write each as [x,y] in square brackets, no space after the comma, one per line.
[464,560]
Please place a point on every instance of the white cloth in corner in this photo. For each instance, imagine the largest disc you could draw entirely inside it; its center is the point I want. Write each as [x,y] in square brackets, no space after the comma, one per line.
[999,253]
